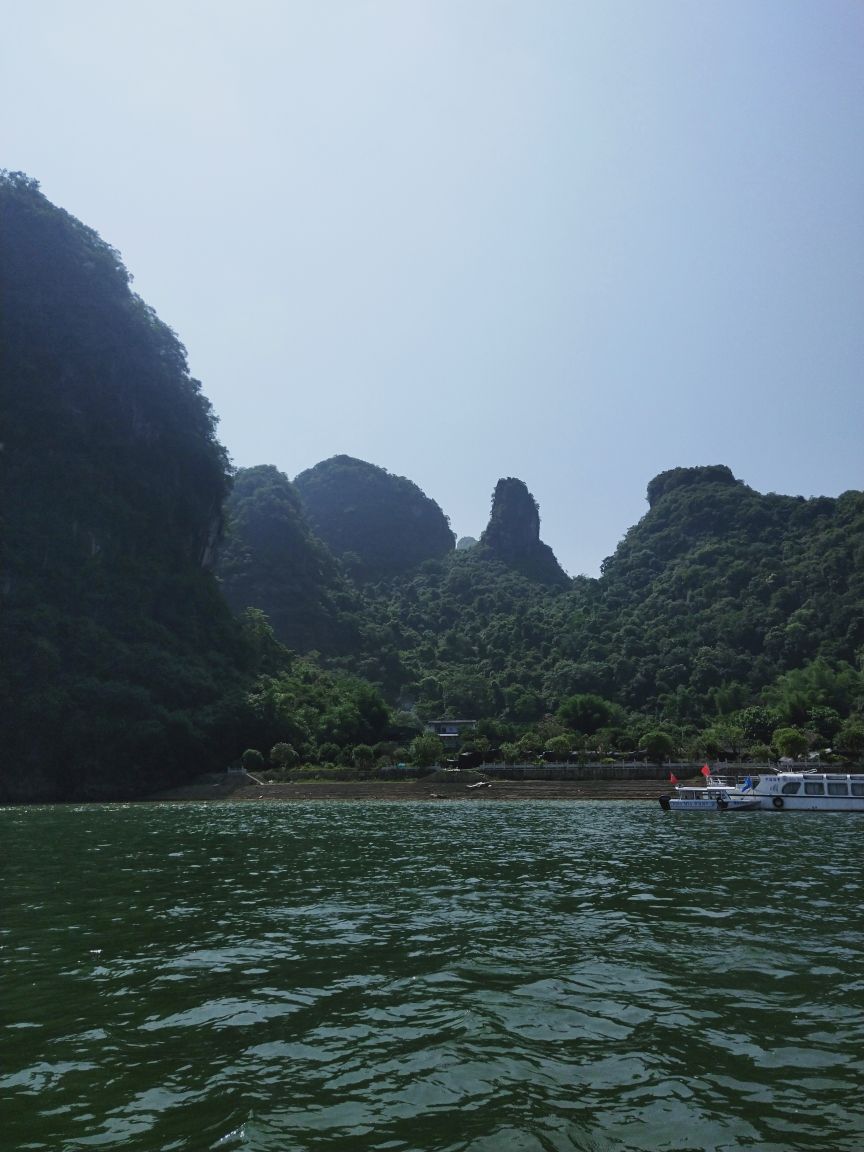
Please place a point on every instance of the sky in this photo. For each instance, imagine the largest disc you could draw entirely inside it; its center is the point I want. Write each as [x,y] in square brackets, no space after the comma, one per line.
[576,242]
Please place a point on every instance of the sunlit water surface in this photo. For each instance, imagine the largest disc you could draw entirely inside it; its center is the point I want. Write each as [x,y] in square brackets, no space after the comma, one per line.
[477,976]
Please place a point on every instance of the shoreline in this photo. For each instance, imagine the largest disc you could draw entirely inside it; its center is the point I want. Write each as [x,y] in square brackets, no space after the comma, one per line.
[243,790]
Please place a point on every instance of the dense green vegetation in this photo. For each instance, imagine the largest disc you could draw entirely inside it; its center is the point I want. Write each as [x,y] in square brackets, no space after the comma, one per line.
[726,622]
[720,599]
[723,617]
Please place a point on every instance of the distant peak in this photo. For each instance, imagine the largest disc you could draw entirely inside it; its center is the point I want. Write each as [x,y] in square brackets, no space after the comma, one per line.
[380,524]
[514,523]
[674,478]
[513,534]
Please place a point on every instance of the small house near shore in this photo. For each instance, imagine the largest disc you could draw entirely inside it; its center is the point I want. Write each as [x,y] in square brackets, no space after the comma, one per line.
[452,732]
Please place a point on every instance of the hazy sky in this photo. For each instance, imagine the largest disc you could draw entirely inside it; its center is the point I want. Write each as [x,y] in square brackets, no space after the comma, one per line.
[574,242]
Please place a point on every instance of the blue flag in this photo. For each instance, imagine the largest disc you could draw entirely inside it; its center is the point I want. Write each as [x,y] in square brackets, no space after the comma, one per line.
[747,785]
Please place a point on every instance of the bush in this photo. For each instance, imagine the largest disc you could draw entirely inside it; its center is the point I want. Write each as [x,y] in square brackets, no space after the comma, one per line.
[363,756]
[323,772]
[761,752]
[252,760]
[386,752]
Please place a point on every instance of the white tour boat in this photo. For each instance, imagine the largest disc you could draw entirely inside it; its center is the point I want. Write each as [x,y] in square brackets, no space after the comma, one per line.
[809,791]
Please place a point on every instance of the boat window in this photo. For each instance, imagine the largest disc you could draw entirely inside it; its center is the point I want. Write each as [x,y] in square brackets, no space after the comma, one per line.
[814,788]
[837,789]
[791,787]
[857,787]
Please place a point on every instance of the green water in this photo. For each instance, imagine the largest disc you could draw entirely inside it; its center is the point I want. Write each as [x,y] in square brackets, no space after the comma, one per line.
[485,977]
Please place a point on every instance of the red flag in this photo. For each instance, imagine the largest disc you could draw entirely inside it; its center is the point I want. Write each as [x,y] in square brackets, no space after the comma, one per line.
[673,779]
[705,770]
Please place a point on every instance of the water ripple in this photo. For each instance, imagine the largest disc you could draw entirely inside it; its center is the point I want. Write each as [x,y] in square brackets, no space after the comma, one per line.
[571,978]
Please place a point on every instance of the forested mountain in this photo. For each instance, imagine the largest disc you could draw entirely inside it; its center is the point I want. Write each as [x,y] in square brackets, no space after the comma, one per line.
[119,656]
[378,524]
[725,619]
[719,590]
[719,599]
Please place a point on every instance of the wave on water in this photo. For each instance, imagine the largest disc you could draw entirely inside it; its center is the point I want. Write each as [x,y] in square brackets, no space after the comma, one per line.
[408,978]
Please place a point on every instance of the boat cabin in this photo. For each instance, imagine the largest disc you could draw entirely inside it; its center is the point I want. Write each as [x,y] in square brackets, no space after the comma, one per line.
[820,784]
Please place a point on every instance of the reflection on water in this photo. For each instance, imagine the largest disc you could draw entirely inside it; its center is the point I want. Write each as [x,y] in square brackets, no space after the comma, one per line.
[409,977]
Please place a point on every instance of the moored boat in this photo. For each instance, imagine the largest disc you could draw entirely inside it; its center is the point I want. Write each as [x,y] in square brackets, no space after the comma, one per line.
[811,791]
[710,798]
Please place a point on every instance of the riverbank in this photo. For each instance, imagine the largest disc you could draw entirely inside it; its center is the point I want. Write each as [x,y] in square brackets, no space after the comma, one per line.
[243,788]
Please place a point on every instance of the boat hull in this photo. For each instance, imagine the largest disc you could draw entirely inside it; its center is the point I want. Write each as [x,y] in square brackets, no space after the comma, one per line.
[778,803]
[708,804]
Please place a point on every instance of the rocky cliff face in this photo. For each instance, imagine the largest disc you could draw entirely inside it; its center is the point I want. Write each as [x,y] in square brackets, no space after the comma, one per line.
[513,534]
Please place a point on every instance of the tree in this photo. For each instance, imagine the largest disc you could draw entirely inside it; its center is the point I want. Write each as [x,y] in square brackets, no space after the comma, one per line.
[722,738]
[524,706]
[818,684]
[283,755]
[658,745]
[850,739]
[529,745]
[426,750]
[559,746]
[790,741]
[468,695]
[586,713]
[825,721]
[511,753]
[550,726]
[758,722]
[252,760]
